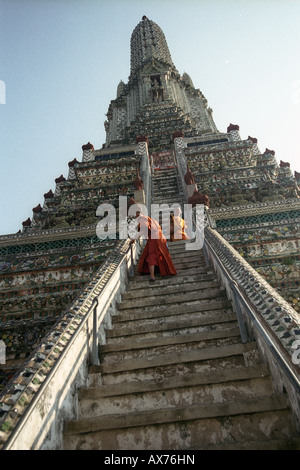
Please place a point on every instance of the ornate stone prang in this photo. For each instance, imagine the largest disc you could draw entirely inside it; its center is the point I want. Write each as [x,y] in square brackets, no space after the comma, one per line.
[177,134]
[233,127]
[72,163]
[49,194]
[37,209]
[72,174]
[142,138]
[27,223]
[284,164]
[270,152]
[87,152]
[87,146]
[233,130]
[60,179]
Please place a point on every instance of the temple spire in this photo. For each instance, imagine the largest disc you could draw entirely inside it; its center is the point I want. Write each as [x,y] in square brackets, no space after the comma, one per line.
[148,38]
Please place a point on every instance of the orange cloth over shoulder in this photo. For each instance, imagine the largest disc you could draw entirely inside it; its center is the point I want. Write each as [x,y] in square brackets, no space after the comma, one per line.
[156,251]
[178,229]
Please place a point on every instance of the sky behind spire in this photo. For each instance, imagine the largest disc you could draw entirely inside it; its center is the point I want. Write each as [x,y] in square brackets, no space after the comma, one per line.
[61,62]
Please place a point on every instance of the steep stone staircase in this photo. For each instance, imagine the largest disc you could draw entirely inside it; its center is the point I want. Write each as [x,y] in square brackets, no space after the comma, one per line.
[166,188]
[174,373]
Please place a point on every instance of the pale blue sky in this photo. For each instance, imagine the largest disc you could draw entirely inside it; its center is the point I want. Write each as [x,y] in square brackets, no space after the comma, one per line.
[61,62]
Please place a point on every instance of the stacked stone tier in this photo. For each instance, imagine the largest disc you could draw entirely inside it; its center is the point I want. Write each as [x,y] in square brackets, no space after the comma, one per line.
[44,267]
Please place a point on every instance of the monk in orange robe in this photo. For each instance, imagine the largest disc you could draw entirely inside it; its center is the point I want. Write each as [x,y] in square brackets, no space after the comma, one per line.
[178,227]
[156,253]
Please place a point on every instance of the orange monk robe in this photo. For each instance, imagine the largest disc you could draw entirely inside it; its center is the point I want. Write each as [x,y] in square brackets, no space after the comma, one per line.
[156,251]
[178,229]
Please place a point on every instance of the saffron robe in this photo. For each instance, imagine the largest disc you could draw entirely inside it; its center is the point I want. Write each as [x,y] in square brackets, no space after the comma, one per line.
[156,251]
[178,229]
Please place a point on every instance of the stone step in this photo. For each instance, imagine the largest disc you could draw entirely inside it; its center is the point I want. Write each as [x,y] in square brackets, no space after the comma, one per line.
[147,372]
[159,326]
[167,191]
[187,427]
[169,200]
[159,183]
[198,275]
[164,171]
[160,345]
[218,309]
[184,272]
[169,289]
[180,359]
[185,250]
[184,254]
[170,175]
[270,444]
[199,313]
[165,200]
[164,189]
[159,188]
[164,342]
[181,381]
[182,265]
[238,384]
[172,298]
[180,245]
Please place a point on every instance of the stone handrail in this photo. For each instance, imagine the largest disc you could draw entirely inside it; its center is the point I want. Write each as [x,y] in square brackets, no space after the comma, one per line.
[282,319]
[181,163]
[35,403]
[145,171]
[262,313]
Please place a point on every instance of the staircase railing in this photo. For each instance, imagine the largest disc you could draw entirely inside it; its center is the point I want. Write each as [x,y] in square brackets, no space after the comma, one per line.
[262,315]
[42,394]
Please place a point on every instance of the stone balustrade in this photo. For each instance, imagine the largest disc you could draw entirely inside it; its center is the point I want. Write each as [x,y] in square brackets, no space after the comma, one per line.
[267,317]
